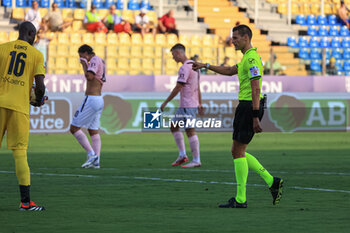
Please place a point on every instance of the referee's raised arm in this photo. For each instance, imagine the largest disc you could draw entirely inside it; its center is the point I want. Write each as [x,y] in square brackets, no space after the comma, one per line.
[224,70]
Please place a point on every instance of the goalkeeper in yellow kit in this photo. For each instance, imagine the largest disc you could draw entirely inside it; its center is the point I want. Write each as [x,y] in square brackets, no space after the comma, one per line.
[20,63]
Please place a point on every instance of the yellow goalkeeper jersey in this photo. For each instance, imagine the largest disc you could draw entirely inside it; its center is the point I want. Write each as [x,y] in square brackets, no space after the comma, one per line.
[19,63]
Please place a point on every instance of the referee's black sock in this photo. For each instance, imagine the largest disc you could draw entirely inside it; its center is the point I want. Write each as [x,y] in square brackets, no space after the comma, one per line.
[25,193]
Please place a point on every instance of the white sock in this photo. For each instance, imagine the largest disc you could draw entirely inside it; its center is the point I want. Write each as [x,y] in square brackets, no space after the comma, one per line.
[182,153]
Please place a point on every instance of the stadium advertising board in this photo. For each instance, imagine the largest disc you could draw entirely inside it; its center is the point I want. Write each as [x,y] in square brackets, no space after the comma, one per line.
[209,83]
[124,112]
[53,117]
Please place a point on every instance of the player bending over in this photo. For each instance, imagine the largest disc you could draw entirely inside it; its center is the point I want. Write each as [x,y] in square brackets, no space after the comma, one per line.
[190,103]
[248,115]
[89,113]
[20,63]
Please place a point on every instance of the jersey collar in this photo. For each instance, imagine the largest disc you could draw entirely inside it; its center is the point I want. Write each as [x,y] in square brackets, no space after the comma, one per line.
[249,50]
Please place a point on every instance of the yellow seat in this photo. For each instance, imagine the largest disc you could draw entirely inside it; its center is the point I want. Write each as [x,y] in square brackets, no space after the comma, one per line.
[43,11]
[61,63]
[305,9]
[152,16]
[75,38]
[135,66]
[100,39]
[112,39]
[100,51]
[79,14]
[18,13]
[88,38]
[160,40]
[148,39]
[62,38]
[196,41]
[111,51]
[230,52]
[128,15]
[208,53]
[158,63]
[315,9]
[170,64]
[52,51]
[124,39]
[147,65]
[13,35]
[67,13]
[136,51]
[4,37]
[73,50]
[196,51]
[208,41]
[74,64]
[295,9]
[158,51]
[111,66]
[172,40]
[282,8]
[136,39]
[183,39]
[123,66]
[327,9]
[62,51]
[123,51]
[77,25]
[148,51]
[102,13]
[50,65]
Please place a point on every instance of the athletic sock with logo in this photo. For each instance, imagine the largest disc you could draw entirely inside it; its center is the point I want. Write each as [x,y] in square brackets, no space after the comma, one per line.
[241,173]
[254,165]
[194,144]
[180,142]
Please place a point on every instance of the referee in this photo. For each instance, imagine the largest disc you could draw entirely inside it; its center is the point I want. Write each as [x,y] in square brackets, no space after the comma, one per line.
[248,115]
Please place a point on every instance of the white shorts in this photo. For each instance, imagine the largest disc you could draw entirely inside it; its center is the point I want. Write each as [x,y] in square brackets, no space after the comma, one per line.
[89,113]
[185,114]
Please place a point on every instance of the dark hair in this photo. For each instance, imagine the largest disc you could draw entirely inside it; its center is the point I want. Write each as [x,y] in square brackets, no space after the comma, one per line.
[243,30]
[85,48]
[178,47]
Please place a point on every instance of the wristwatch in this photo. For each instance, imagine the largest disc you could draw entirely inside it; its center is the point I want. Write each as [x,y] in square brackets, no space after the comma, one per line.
[207,65]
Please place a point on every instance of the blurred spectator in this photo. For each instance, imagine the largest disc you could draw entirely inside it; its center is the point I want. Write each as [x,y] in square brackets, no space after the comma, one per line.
[54,20]
[226,59]
[41,43]
[196,59]
[33,15]
[167,23]
[343,18]
[331,68]
[142,23]
[115,22]
[277,67]
[92,21]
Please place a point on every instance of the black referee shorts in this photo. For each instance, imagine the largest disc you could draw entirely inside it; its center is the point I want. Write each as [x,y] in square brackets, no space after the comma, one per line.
[243,123]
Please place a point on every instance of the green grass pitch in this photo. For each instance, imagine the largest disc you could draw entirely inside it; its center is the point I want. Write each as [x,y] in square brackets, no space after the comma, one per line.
[138,191]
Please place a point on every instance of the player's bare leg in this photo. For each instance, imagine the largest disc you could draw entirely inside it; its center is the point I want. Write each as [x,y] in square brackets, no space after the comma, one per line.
[180,142]
[84,142]
[96,146]
[194,144]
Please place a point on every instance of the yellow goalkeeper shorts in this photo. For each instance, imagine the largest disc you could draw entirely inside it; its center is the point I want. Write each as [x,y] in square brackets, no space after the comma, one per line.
[16,125]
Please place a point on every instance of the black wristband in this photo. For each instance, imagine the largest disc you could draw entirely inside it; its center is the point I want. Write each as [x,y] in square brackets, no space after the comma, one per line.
[255,113]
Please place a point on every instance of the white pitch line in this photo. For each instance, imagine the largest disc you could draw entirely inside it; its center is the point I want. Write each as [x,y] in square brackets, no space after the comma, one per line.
[209,170]
[176,180]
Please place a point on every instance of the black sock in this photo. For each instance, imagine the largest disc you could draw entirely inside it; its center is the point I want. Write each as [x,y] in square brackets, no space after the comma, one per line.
[25,196]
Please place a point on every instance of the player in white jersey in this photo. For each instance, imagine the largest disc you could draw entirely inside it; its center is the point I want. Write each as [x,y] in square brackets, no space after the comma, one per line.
[89,113]
[190,103]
